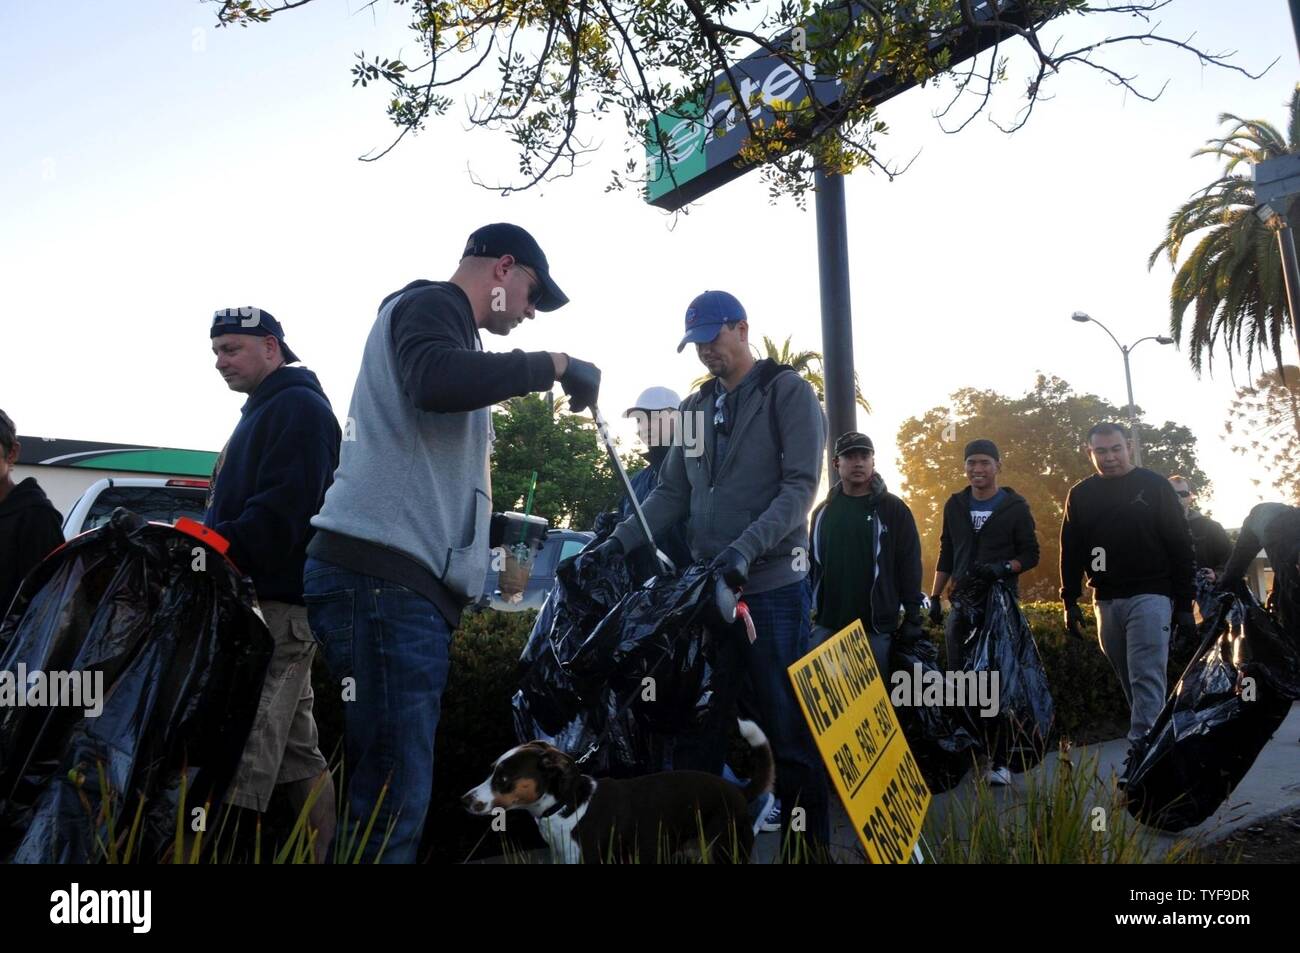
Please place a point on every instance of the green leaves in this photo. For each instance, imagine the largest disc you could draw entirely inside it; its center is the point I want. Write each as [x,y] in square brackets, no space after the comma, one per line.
[574,478]
[1232,279]
[365,73]
[543,70]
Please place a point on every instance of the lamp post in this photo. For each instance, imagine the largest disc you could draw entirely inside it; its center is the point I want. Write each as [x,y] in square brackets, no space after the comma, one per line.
[1277,185]
[1128,377]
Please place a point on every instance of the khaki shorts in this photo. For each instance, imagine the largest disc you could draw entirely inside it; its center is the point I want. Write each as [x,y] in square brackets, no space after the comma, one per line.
[282,745]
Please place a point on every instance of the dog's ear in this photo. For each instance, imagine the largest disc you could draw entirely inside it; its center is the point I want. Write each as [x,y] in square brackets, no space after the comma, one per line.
[554,761]
[560,772]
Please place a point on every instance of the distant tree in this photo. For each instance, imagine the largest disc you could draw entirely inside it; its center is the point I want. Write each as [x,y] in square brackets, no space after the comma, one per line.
[575,480]
[1262,425]
[1041,436]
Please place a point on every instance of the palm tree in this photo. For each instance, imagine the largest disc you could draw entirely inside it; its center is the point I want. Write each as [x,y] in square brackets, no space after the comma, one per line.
[1233,277]
[808,364]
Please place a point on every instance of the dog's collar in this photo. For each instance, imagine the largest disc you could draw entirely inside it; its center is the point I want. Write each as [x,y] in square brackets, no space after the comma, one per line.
[554,809]
[558,808]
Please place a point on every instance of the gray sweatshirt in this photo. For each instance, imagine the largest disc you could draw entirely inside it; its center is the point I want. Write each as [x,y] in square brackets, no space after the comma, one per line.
[412,496]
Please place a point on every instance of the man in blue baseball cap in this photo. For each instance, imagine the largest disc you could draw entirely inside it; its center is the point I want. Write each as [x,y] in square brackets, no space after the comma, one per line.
[708,315]
[745,500]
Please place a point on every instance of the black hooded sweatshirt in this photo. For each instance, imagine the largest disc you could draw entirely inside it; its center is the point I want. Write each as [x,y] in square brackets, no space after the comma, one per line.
[30,529]
[1007,534]
[271,480]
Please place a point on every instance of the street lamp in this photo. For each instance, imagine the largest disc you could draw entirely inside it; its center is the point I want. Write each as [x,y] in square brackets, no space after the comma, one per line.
[1083,318]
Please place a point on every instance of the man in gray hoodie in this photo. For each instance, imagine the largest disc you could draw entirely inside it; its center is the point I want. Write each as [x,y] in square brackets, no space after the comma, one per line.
[401,544]
[745,500]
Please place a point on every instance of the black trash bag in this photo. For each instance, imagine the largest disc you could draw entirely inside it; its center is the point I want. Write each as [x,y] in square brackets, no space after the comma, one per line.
[582,672]
[1001,641]
[182,655]
[1207,736]
[942,745]
[584,593]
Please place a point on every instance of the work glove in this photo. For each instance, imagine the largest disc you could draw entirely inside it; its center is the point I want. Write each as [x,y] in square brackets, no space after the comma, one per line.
[1074,620]
[581,381]
[936,610]
[988,572]
[732,566]
[604,551]
[911,627]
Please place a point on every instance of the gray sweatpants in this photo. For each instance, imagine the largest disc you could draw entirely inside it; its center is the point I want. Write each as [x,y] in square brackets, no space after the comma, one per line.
[1134,636]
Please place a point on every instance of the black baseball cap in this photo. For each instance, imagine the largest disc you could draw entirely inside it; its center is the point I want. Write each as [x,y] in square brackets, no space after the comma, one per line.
[853,441]
[493,241]
[251,321]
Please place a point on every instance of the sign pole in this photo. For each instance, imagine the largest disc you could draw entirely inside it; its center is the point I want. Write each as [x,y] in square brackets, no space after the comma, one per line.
[837,312]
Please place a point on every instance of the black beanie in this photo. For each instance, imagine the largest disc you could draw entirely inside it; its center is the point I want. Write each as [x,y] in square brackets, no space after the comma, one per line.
[982,446]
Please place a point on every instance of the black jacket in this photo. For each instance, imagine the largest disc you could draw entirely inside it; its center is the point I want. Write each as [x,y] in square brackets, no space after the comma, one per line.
[1007,534]
[897,558]
[271,480]
[1274,528]
[1130,535]
[30,528]
[1210,542]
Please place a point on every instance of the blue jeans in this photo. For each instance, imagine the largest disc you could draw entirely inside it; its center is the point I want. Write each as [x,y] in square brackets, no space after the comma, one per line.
[395,647]
[782,621]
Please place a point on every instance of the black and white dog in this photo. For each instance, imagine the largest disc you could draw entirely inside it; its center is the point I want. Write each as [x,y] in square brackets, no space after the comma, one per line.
[649,819]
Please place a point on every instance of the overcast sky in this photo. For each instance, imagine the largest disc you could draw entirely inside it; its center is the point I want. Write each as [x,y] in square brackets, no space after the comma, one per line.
[156,168]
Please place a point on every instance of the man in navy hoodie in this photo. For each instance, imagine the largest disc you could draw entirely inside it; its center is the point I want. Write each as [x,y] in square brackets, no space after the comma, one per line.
[269,481]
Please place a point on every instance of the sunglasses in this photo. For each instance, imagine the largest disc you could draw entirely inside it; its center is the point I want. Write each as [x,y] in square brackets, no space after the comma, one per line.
[1183,493]
[535,293]
[720,422]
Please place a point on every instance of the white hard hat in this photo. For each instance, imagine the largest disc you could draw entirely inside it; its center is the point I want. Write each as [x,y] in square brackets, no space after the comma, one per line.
[655,398]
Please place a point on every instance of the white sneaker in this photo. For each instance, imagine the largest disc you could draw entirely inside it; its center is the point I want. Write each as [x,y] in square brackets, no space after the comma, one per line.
[761,810]
[772,822]
[998,776]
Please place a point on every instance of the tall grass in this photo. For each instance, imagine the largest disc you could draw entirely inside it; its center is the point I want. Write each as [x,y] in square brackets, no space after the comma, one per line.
[1067,815]
[113,845]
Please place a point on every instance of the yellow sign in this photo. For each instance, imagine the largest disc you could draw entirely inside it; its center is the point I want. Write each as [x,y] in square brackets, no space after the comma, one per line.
[843,696]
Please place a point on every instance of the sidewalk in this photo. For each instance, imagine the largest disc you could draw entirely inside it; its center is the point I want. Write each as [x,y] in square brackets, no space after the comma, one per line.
[1270,787]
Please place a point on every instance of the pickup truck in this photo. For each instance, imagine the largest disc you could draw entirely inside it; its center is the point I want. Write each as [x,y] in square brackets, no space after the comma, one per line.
[154,498]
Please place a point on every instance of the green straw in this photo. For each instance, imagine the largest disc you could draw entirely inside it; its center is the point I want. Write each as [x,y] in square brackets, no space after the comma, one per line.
[528,505]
